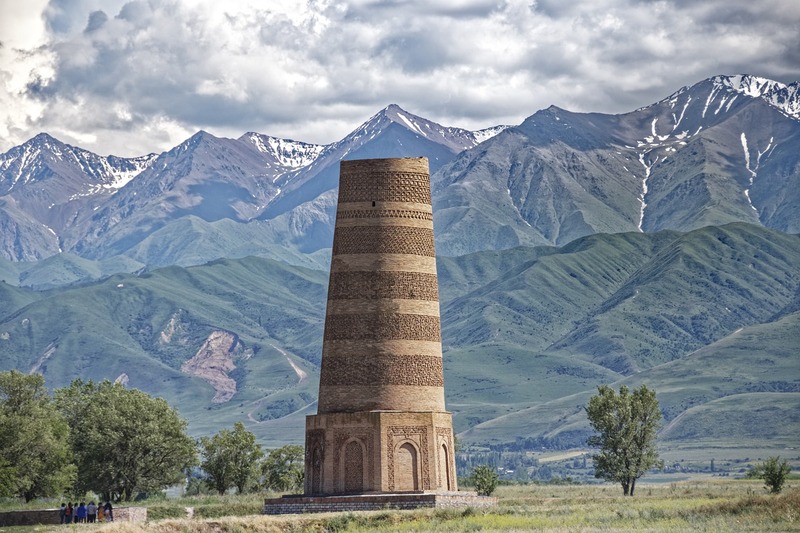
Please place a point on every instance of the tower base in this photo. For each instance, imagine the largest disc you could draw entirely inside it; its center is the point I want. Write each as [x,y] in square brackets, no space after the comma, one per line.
[375,502]
[379,452]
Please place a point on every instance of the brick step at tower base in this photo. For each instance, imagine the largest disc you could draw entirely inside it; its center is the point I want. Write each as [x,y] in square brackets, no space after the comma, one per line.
[376,502]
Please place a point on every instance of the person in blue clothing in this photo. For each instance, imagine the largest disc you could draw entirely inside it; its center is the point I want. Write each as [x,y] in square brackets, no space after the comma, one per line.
[80,513]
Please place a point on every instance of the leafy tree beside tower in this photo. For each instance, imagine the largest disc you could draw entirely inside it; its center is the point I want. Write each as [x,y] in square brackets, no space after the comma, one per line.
[626,424]
[35,456]
[230,458]
[123,440]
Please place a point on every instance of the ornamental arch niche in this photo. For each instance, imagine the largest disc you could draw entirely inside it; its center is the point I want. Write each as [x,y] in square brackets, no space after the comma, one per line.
[406,475]
[444,471]
[316,471]
[352,466]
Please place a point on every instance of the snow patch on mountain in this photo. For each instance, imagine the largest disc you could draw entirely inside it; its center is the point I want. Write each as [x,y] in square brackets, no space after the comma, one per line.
[487,133]
[287,152]
[648,165]
[779,95]
[126,169]
[752,167]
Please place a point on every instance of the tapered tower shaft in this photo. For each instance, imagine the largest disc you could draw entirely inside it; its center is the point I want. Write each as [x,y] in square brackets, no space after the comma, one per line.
[382,348]
[381,424]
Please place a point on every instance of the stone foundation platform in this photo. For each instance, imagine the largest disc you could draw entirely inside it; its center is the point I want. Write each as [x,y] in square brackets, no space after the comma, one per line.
[375,502]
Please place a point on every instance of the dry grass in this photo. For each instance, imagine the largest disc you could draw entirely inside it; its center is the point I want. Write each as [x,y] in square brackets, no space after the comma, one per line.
[724,506]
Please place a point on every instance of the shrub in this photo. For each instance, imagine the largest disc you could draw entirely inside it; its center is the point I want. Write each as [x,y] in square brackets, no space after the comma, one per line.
[485,480]
[774,473]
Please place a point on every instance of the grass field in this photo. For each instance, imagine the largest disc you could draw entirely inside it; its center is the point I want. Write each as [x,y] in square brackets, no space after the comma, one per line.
[700,504]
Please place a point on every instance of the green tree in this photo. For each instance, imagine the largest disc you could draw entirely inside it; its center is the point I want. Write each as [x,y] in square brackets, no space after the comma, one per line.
[283,469]
[230,458]
[774,473]
[485,479]
[627,424]
[124,441]
[35,458]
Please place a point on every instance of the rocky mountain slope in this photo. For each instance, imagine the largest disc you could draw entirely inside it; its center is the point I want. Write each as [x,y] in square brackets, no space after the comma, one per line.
[722,150]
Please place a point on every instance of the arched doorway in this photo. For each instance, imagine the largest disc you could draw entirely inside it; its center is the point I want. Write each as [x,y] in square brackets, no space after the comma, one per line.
[406,477]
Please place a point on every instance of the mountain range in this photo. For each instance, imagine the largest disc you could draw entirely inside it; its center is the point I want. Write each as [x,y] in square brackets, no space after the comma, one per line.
[575,249]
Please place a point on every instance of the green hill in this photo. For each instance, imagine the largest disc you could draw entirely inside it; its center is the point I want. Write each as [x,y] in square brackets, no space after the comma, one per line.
[740,372]
[528,333]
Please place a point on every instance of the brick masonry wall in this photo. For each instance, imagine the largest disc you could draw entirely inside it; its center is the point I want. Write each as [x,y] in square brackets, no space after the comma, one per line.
[390,293]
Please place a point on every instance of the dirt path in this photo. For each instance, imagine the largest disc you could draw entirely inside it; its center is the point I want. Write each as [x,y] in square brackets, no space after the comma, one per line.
[302,376]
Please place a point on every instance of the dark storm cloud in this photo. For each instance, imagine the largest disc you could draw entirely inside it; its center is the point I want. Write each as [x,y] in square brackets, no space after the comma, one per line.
[417,51]
[96,21]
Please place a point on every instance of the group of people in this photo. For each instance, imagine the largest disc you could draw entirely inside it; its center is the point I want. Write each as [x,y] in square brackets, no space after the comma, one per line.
[86,513]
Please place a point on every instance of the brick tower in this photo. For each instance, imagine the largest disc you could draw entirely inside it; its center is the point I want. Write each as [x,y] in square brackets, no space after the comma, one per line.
[381,425]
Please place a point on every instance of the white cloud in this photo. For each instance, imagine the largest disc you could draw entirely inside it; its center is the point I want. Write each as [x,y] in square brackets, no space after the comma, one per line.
[142,76]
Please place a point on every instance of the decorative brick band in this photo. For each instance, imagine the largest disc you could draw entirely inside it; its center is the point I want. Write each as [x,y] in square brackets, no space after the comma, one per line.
[417,370]
[383,239]
[369,206]
[384,187]
[382,213]
[377,285]
[382,326]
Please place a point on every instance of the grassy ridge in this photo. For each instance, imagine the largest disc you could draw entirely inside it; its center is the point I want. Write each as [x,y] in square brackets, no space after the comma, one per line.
[146,326]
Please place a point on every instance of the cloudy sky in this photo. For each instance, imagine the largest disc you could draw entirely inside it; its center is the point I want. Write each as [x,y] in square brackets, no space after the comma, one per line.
[132,77]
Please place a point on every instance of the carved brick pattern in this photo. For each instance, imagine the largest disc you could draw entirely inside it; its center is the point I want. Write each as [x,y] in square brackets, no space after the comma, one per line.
[383,240]
[445,433]
[384,187]
[353,467]
[382,326]
[383,284]
[445,436]
[414,370]
[383,213]
[397,433]
[343,435]
[315,440]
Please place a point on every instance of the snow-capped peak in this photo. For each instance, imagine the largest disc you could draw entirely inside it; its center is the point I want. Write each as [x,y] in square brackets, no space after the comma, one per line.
[457,138]
[784,97]
[44,155]
[288,153]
